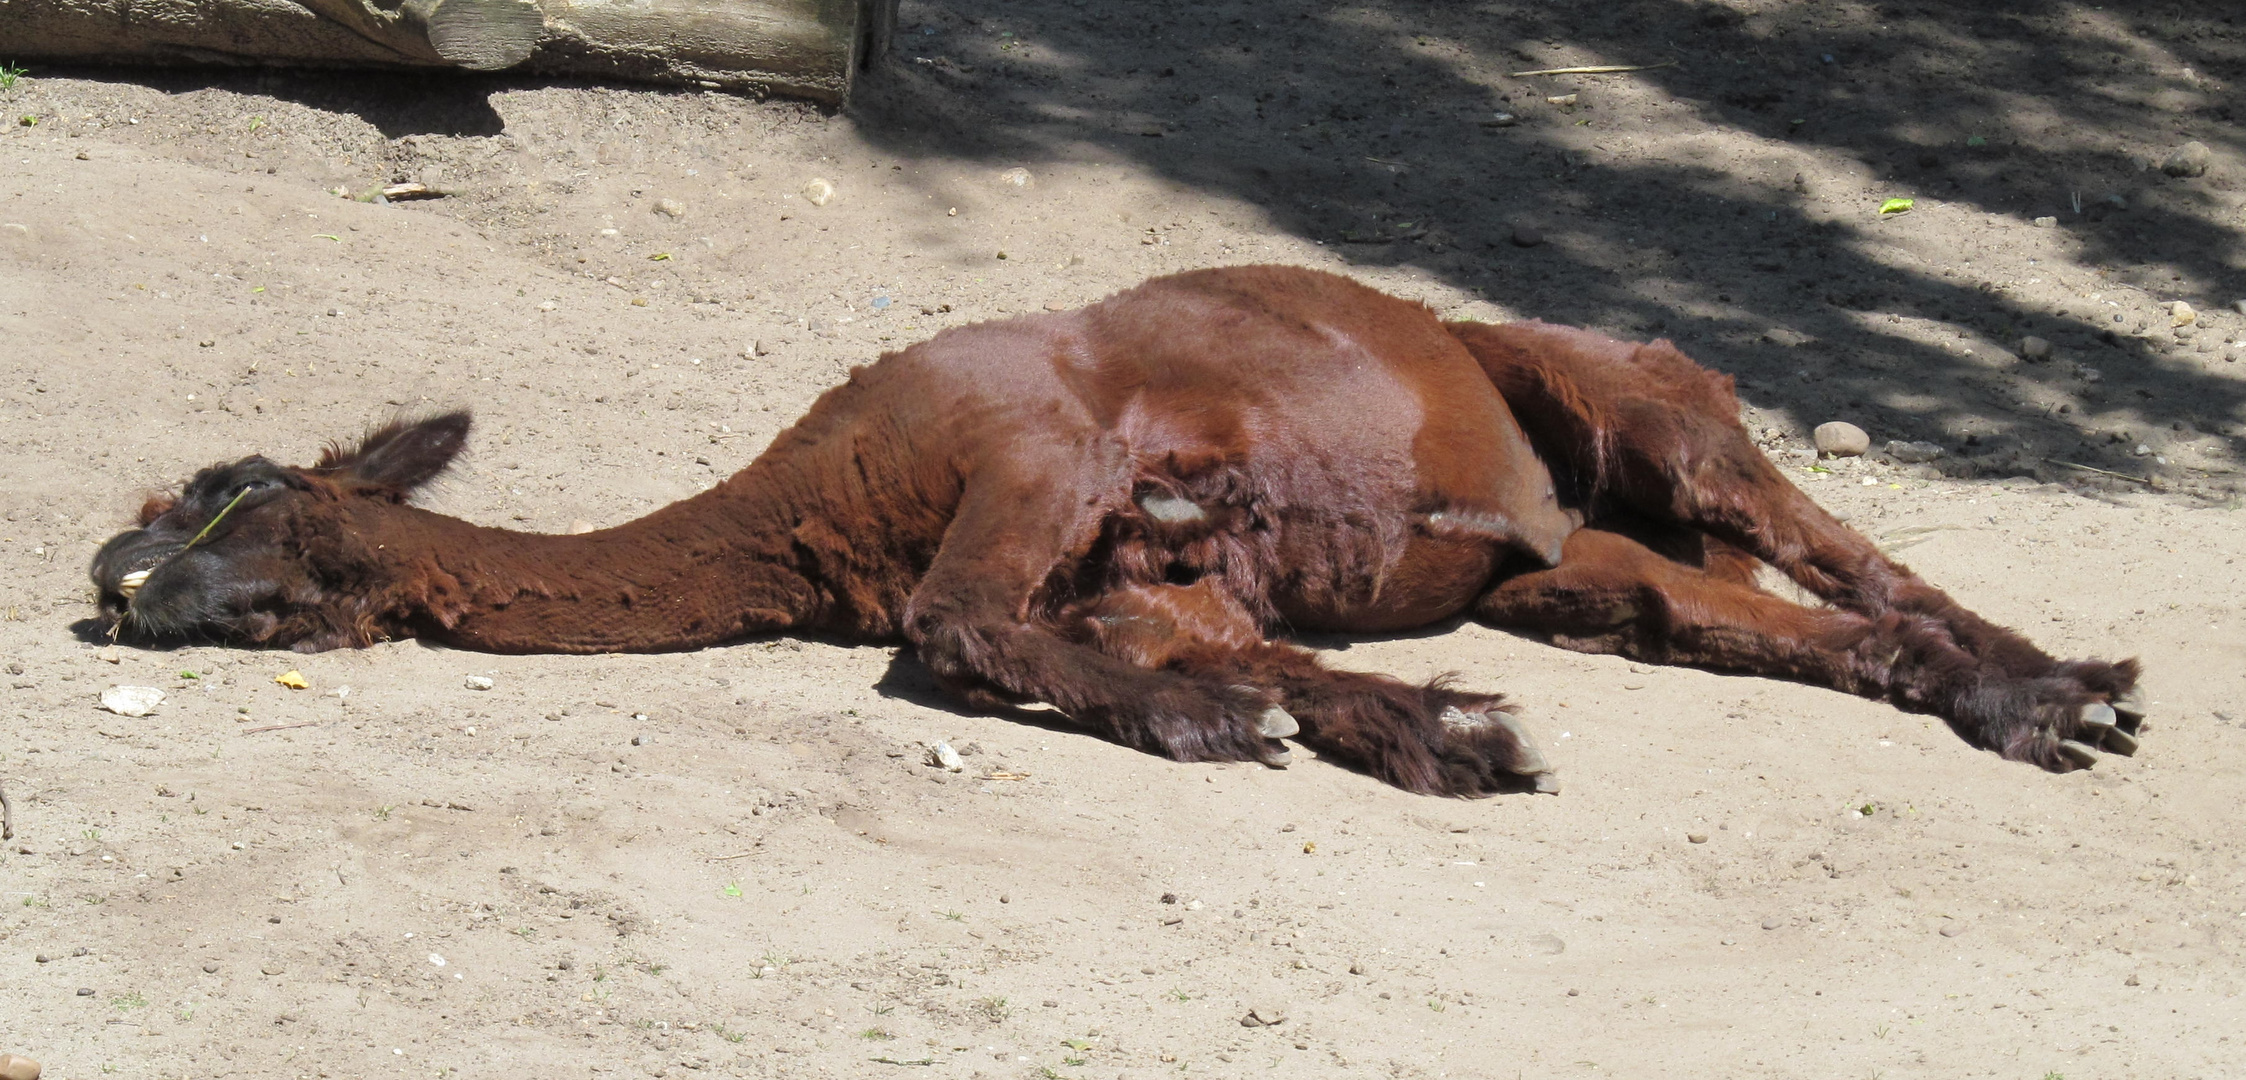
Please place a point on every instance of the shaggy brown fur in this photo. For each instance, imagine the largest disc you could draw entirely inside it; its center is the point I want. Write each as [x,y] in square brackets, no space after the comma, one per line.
[1114,510]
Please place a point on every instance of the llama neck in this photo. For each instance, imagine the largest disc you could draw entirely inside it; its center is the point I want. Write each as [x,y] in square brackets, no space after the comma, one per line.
[714,568]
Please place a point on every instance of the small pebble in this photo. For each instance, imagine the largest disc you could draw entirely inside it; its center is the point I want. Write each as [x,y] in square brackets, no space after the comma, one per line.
[580,527]
[2190,159]
[1697,838]
[272,969]
[1952,929]
[671,208]
[548,305]
[2131,981]
[1573,992]
[2035,348]
[942,756]
[1913,453]
[1839,438]
[1056,305]
[1017,177]
[42,958]
[1501,120]
[210,969]
[1773,923]
[639,740]
[85,991]
[2047,222]
[478,682]
[1527,236]
[1561,100]
[18,1067]
[818,191]
[1266,1015]
[2181,314]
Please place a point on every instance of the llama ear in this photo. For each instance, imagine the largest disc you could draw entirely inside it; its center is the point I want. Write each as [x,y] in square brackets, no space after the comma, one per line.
[401,454]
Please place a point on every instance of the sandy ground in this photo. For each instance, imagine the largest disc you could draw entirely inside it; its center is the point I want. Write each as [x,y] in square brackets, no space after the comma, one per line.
[734,862]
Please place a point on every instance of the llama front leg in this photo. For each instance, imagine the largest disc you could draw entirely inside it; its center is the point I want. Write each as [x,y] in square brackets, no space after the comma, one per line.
[1430,739]
[1612,594]
[975,620]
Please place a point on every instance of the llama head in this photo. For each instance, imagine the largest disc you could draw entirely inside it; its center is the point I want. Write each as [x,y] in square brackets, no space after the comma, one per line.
[233,556]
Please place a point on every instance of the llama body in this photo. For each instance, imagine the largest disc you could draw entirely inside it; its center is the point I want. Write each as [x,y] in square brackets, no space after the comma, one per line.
[1116,511]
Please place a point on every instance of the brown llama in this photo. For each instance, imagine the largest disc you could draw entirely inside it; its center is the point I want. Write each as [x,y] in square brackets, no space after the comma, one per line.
[1114,510]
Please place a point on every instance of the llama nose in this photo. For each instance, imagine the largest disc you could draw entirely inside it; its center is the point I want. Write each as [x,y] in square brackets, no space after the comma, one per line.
[131,583]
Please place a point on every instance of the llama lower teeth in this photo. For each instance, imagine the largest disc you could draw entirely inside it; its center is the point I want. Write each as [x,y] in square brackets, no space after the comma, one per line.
[131,583]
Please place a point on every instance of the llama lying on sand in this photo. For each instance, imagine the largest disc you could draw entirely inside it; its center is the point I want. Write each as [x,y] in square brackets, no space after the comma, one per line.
[1115,510]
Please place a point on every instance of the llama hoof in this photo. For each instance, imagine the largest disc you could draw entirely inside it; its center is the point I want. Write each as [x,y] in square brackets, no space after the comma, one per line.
[1277,723]
[1279,758]
[2103,724]
[1531,761]
[2130,710]
[1547,783]
[2078,755]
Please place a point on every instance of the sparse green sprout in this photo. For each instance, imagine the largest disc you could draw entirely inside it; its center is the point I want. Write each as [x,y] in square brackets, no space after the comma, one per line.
[9,73]
[874,1034]
[732,890]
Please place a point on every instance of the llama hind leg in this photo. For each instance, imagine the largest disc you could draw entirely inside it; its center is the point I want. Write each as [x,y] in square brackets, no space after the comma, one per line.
[1644,430]
[1612,594]
[1430,739]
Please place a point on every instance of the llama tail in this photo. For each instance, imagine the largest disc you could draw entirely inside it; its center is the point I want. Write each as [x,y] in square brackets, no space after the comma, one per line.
[1541,371]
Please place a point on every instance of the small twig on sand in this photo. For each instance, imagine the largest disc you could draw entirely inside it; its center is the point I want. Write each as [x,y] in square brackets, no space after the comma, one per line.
[2101,472]
[277,727]
[1595,69]
[7,815]
[728,858]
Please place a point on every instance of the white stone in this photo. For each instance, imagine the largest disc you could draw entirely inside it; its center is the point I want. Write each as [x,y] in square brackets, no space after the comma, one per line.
[131,700]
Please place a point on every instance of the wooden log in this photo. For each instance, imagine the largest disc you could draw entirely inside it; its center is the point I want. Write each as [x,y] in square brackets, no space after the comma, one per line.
[799,48]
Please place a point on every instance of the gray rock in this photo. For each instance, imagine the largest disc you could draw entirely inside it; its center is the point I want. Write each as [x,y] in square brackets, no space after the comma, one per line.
[1786,336]
[2035,348]
[2047,223]
[671,208]
[1839,438]
[1527,235]
[2190,159]
[1913,453]
[478,682]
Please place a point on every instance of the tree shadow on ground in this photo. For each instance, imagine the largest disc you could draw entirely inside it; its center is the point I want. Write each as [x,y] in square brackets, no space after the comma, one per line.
[1728,201]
